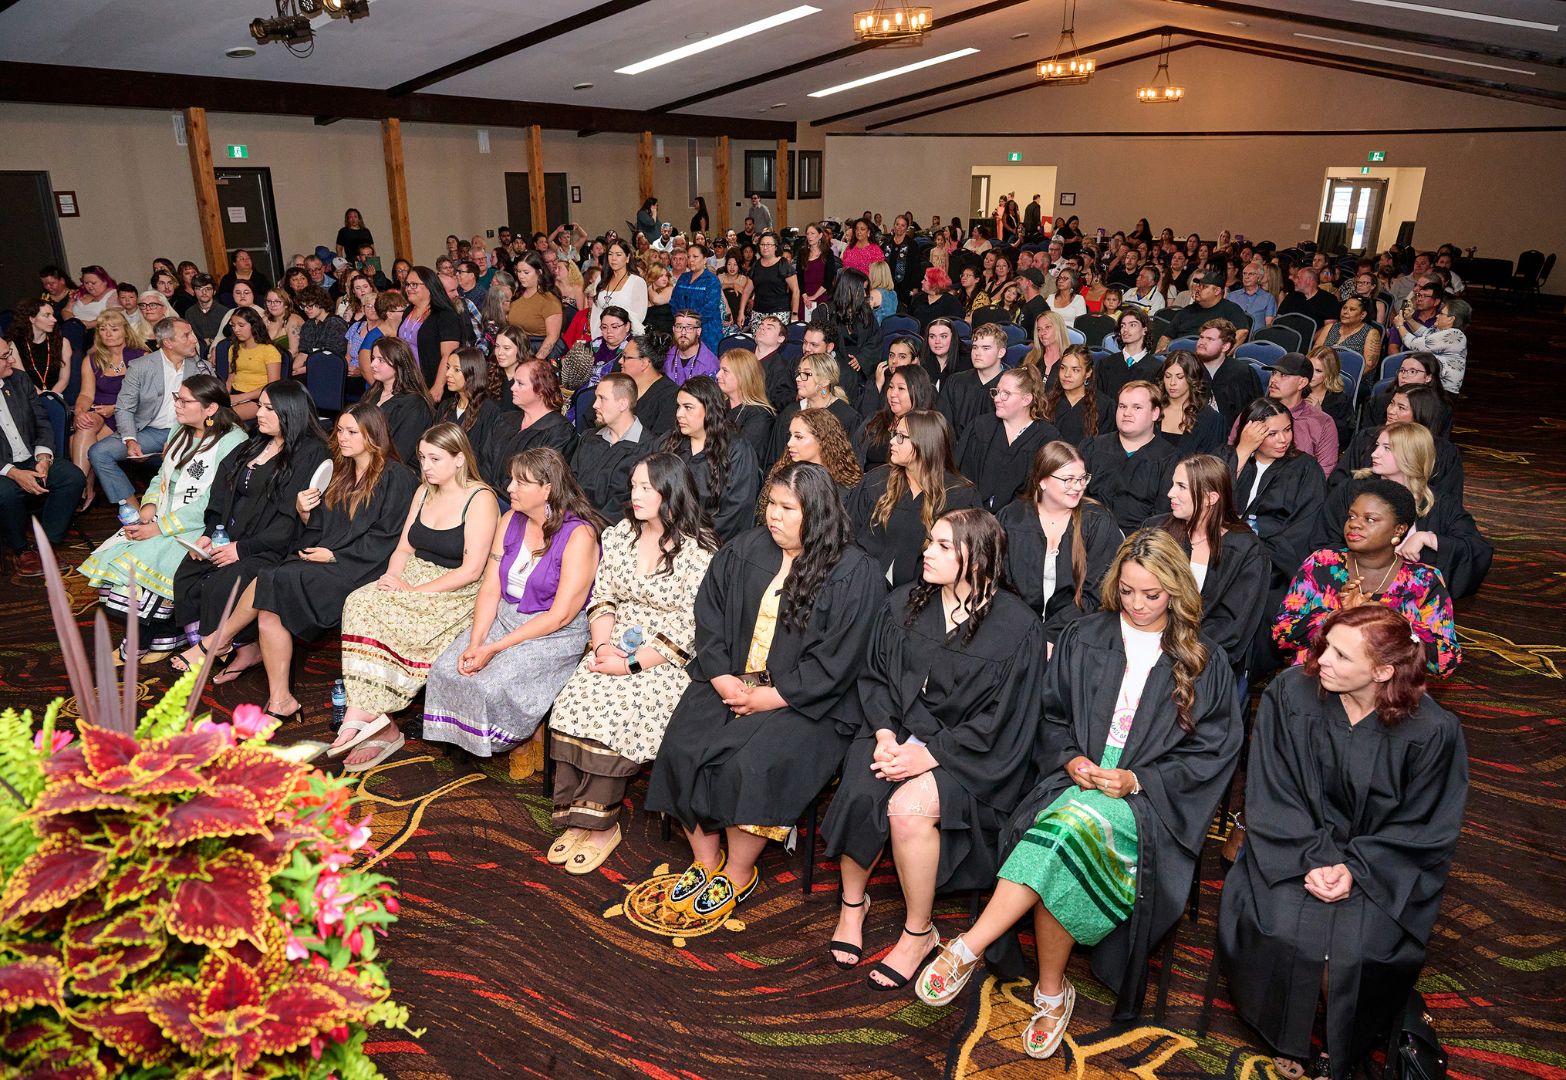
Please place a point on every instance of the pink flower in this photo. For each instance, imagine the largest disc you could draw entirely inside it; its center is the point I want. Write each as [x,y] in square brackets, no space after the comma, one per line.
[250,722]
[391,905]
[359,835]
[356,941]
[317,1044]
[57,742]
[330,904]
[296,949]
[289,908]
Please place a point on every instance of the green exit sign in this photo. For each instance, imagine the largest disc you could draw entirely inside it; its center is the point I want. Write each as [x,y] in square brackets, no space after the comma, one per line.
[1364,170]
[238,150]
[1377,155]
[1015,155]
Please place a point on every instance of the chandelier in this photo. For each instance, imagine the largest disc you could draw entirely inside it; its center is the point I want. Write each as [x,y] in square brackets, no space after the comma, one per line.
[1156,92]
[893,24]
[1068,64]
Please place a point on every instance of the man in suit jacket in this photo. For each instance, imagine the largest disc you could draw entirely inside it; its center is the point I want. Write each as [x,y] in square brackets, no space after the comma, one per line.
[30,476]
[1032,220]
[144,411]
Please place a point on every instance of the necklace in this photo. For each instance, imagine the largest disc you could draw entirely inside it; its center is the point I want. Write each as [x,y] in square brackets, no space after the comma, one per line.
[1392,569]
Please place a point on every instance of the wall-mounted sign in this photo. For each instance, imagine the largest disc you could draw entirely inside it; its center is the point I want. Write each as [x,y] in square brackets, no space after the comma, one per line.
[1377,155]
[238,150]
[1015,155]
[1068,198]
[65,204]
[576,193]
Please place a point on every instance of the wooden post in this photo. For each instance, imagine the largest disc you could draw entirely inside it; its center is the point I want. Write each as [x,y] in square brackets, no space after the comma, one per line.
[396,188]
[644,156]
[535,180]
[780,219]
[720,177]
[204,177]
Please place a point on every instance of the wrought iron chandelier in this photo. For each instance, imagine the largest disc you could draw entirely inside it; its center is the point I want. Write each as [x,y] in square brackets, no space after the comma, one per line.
[1068,64]
[893,24]
[1155,93]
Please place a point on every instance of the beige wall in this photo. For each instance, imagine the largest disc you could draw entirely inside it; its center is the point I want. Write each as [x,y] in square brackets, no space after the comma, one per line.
[133,183]
[1481,189]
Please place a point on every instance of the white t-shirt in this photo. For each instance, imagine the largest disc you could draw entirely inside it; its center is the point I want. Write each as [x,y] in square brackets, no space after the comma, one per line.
[1261,470]
[1143,648]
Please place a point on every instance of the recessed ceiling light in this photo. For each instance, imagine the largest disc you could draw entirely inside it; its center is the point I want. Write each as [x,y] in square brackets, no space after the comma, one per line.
[697,36]
[716,40]
[239,52]
[1421,55]
[1458,13]
[894,73]
[583,86]
[1239,22]
[854,64]
[1019,37]
[780,105]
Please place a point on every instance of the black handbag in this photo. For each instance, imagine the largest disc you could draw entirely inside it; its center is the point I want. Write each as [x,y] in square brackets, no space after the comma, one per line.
[1415,1053]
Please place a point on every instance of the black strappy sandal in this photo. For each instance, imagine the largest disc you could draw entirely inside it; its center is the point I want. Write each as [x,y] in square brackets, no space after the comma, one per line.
[897,979]
[857,951]
[180,665]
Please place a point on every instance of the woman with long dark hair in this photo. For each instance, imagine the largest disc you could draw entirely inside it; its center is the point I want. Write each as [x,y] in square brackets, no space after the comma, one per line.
[40,345]
[1072,401]
[351,530]
[944,354]
[609,719]
[782,620]
[1354,798]
[1140,735]
[431,328]
[536,308]
[1059,543]
[397,389]
[467,402]
[1417,369]
[996,450]
[722,465]
[858,332]
[253,503]
[950,696]
[908,387]
[895,506]
[1189,420]
[173,509]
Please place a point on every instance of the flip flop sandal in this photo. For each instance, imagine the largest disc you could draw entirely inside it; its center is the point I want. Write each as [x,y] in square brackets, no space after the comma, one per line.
[589,856]
[180,665]
[383,750]
[1288,1068]
[362,730]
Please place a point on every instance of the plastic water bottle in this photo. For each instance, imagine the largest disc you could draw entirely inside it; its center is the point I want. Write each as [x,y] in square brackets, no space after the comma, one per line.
[632,639]
[220,537]
[129,515]
[339,703]
[1250,519]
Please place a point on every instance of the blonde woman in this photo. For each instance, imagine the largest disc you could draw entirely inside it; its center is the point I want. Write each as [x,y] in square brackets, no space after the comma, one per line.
[1049,342]
[816,386]
[114,346]
[883,293]
[1104,847]
[745,387]
[394,629]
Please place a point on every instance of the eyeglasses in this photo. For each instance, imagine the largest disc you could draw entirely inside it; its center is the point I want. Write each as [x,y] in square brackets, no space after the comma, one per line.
[1004,395]
[897,438]
[802,375]
[1073,481]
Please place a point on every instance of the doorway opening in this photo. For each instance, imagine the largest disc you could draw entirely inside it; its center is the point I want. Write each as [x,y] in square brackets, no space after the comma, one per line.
[32,229]
[250,217]
[1365,211]
[519,207]
[1021,182]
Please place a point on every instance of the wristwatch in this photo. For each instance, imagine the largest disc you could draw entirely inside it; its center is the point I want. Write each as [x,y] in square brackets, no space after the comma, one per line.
[633,666]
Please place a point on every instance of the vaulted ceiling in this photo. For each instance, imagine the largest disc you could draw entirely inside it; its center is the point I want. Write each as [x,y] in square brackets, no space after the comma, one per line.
[498,51]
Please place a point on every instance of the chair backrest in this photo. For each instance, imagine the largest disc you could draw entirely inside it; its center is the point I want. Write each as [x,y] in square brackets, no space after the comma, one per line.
[1352,362]
[1529,263]
[964,331]
[1263,351]
[1014,354]
[1075,336]
[1182,299]
[796,333]
[1186,343]
[326,375]
[736,341]
[1544,271]
[1111,343]
[900,324]
[1014,333]
[1379,387]
[1100,355]
[1351,385]
[1390,363]
[1261,368]
[1286,336]
[1303,325]
[220,359]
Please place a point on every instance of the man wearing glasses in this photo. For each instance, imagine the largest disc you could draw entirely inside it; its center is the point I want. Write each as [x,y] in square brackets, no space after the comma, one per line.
[689,356]
[30,477]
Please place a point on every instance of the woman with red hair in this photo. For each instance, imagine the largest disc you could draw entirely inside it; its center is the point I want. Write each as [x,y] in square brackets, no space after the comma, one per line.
[1353,801]
[934,300]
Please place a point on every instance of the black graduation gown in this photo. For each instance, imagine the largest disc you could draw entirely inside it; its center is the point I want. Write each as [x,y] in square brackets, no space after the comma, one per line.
[778,369]
[863,343]
[841,409]
[603,469]
[1337,405]
[1182,776]
[870,451]
[483,416]
[506,438]
[974,704]
[955,363]
[754,425]
[307,596]
[898,545]
[1070,419]
[1374,414]
[1112,372]
[655,407]
[1446,480]
[1385,802]
[733,509]
[1234,594]
[1207,436]
[965,398]
[715,769]
[408,417]
[1026,551]
[1133,488]
[1287,508]
[264,529]
[1462,553]
[999,469]
[1235,385]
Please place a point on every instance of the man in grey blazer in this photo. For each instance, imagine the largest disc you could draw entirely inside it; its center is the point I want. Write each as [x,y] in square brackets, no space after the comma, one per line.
[144,410]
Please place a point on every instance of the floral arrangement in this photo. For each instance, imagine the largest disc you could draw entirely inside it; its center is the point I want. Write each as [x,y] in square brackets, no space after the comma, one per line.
[180,899]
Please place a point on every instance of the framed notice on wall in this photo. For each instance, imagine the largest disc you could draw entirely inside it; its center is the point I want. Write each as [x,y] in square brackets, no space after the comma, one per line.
[1068,198]
[576,193]
[65,204]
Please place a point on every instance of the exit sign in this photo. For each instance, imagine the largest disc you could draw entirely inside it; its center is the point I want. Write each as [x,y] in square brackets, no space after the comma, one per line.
[1364,170]
[238,150]
[1377,155]
[1015,155]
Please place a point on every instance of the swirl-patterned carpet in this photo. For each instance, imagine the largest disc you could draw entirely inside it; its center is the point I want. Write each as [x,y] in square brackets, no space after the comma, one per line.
[520,970]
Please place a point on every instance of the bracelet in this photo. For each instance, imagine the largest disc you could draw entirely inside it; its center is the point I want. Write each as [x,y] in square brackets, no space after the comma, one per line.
[600,645]
[1136,785]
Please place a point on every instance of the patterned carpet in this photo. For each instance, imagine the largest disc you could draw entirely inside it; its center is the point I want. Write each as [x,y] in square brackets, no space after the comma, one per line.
[517,969]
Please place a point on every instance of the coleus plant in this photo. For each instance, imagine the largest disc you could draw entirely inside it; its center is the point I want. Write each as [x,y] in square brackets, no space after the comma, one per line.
[186,905]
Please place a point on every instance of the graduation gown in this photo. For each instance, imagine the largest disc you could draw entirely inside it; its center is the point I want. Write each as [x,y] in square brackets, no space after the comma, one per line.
[777,369]
[1462,553]
[1287,508]
[965,397]
[841,409]
[1182,775]
[754,425]
[1446,480]
[655,407]
[1207,436]
[998,468]
[870,451]
[1026,551]
[265,530]
[1235,385]
[408,417]
[733,509]
[715,769]
[898,546]
[603,469]
[506,438]
[308,596]
[1132,487]
[1070,418]
[1112,372]
[1385,802]
[974,704]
